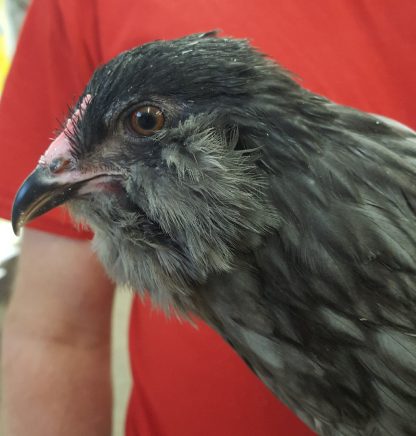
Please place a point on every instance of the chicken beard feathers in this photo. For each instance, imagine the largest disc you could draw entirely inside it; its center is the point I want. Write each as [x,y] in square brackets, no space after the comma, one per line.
[187,217]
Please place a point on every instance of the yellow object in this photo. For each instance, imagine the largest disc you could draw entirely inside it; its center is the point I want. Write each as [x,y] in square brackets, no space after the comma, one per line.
[4,58]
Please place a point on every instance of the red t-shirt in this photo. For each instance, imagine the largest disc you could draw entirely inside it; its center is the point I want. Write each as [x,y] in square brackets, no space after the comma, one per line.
[187,381]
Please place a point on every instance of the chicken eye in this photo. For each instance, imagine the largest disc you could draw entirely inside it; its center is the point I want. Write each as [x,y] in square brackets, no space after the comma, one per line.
[147,120]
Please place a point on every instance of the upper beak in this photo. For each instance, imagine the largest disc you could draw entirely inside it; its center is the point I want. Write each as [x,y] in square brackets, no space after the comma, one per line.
[55,180]
[41,192]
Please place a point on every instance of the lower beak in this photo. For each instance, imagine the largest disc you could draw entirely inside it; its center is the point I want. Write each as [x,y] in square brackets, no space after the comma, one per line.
[39,193]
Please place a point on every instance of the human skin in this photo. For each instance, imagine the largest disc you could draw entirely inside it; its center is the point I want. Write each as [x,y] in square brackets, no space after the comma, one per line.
[56,341]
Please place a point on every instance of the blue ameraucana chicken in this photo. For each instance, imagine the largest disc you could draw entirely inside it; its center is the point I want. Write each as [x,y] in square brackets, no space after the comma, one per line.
[285,221]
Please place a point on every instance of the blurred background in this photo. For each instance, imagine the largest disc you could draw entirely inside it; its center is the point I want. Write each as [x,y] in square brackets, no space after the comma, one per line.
[12,14]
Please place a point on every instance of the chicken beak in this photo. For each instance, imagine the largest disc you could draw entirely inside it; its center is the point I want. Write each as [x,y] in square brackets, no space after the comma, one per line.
[55,180]
[39,193]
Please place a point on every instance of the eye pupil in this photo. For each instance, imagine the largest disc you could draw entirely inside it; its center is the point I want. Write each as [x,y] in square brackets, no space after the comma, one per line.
[146,120]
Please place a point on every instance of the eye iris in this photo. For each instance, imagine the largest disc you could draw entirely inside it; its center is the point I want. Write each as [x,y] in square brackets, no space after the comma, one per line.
[146,120]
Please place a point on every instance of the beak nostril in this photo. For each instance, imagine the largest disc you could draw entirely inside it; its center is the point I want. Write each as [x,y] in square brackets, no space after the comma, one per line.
[58,165]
